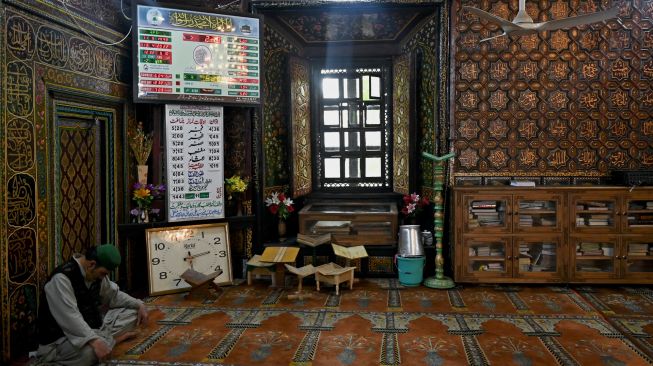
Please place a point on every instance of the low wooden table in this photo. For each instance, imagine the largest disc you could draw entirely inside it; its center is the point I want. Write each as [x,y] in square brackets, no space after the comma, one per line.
[333,274]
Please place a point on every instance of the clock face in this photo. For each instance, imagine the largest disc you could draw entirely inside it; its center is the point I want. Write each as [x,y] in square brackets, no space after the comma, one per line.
[171,251]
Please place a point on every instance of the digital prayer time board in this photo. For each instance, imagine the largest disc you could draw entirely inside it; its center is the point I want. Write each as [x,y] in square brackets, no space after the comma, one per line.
[184,55]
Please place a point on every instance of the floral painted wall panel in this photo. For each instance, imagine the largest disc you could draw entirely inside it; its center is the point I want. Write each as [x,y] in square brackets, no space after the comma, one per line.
[36,56]
[575,102]
[275,116]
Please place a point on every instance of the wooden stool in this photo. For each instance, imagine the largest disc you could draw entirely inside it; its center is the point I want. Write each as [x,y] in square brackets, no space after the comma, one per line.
[334,274]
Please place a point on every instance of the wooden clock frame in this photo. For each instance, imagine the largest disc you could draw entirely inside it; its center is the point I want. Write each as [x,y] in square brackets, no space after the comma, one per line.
[180,235]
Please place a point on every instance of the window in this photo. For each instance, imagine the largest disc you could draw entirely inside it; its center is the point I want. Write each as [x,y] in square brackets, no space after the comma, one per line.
[353,129]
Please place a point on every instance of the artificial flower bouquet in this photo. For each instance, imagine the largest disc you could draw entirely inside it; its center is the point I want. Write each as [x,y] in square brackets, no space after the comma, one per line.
[413,205]
[278,203]
[143,195]
[235,185]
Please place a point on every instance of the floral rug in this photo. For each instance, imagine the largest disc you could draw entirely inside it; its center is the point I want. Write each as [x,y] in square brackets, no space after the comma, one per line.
[380,322]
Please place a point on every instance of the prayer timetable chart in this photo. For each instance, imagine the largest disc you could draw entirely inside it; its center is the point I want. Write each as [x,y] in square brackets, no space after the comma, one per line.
[193,60]
[195,167]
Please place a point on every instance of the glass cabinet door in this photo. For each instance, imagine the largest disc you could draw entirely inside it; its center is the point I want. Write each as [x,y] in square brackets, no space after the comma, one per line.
[487,213]
[594,256]
[594,214]
[637,257]
[638,215]
[487,257]
[538,257]
[535,214]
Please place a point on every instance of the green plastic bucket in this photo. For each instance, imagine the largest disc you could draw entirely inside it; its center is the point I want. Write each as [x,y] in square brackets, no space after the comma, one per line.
[410,270]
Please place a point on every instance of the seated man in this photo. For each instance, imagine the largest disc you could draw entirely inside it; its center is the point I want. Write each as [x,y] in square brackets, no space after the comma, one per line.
[73,330]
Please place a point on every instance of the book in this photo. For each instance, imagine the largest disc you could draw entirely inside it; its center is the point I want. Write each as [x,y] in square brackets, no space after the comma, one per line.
[255,261]
[304,271]
[313,240]
[332,269]
[349,252]
[279,254]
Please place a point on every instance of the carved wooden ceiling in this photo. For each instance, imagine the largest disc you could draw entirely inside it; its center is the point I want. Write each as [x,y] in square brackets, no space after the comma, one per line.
[369,23]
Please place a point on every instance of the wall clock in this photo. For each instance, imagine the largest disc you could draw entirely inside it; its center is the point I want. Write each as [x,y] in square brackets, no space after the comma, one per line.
[173,250]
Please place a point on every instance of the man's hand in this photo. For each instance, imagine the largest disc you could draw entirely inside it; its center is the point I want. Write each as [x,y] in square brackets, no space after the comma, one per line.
[100,348]
[143,316]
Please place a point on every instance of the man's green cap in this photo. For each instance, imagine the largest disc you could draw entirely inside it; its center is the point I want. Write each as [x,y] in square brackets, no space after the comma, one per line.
[108,256]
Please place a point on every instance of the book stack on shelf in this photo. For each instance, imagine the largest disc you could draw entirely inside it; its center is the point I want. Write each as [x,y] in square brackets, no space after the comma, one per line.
[484,213]
[589,249]
[496,252]
[598,220]
[483,251]
[493,267]
[638,249]
[525,258]
[643,217]
[597,206]
[526,220]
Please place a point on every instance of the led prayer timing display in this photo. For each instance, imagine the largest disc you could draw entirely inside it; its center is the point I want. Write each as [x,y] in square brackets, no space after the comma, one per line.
[185,55]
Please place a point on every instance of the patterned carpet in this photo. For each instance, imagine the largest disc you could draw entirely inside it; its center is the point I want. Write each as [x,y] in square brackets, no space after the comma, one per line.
[382,323]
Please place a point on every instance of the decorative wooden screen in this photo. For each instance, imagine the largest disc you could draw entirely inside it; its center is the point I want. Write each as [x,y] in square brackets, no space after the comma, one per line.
[401,122]
[300,126]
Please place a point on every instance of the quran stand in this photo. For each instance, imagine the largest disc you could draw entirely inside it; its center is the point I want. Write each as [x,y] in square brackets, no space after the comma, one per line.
[279,256]
[200,283]
[302,272]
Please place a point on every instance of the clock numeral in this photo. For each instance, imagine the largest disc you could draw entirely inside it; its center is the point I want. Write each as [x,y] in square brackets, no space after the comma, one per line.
[159,246]
[217,240]
[163,275]
[217,268]
[177,281]
[156,261]
[223,253]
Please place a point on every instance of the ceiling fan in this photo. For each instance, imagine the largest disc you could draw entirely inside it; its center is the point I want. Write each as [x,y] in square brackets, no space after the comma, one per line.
[523,24]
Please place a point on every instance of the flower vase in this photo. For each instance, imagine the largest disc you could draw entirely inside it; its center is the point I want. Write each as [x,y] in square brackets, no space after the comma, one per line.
[281,227]
[144,217]
[239,205]
[142,174]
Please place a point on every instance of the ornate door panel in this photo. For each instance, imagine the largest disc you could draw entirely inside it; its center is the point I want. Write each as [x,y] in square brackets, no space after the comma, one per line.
[83,177]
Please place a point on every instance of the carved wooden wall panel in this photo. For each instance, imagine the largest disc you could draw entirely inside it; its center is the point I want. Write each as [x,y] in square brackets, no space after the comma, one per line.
[275,104]
[575,102]
[300,105]
[400,124]
[38,56]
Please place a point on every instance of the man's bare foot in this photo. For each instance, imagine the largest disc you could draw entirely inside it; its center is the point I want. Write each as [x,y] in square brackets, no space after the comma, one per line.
[125,336]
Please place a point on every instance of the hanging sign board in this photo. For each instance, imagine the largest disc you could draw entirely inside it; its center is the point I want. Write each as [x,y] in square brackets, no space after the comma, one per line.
[185,55]
[195,169]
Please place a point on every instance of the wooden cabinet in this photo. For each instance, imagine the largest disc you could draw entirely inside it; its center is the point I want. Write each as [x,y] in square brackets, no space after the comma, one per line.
[553,234]
[509,236]
[351,223]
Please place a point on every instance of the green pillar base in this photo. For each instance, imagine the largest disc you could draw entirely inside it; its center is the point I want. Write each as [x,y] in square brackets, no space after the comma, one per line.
[443,283]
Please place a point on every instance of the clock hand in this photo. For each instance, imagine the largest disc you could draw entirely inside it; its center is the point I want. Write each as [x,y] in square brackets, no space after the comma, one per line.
[199,254]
